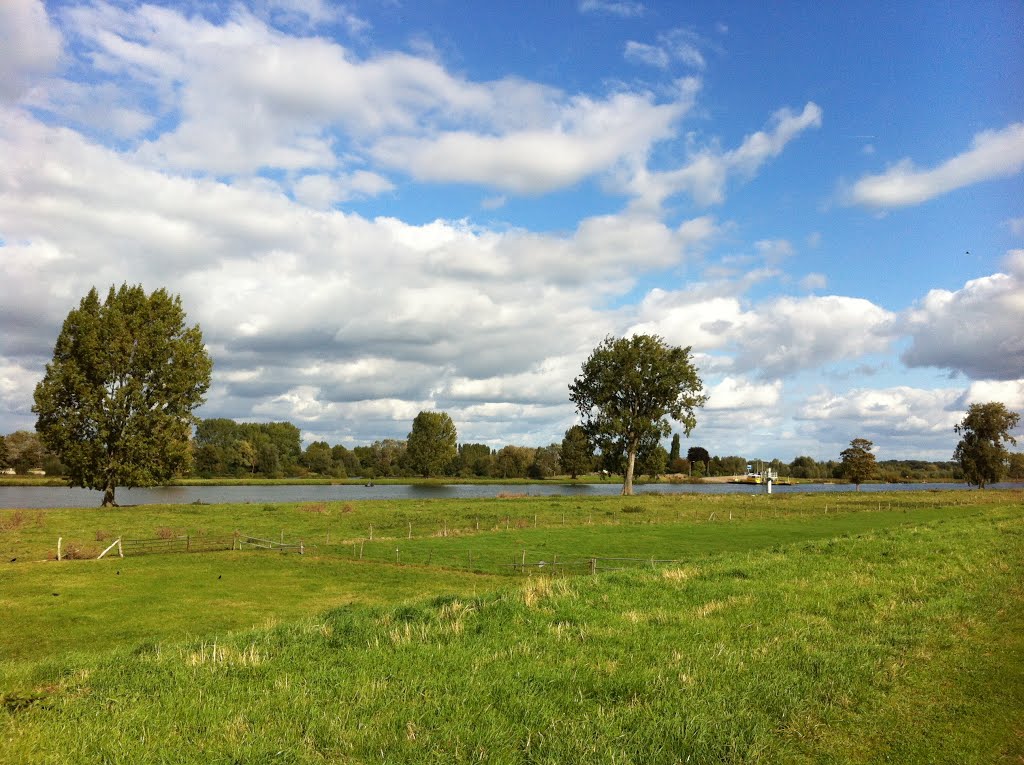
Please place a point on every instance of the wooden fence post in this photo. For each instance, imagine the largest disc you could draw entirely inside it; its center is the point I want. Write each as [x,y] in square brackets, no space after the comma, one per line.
[593,565]
[59,541]
[120,550]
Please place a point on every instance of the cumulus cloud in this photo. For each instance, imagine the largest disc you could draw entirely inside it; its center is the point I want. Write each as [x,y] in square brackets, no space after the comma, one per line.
[31,46]
[774,339]
[301,307]
[993,154]
[976,330]
[324,191]
[589,136]
[902,421]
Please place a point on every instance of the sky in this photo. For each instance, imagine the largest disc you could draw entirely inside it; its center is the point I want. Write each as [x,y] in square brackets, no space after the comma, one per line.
[377,208]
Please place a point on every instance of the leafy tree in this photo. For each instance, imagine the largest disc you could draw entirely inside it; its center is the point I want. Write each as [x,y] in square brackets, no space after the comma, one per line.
[3,453]
[545,462]
[513,461]
[345,461]
[25,451]
[116,402]
[577,455]
[673,453]
[858,463]
[474,460]
[804,467]
[432,444]
[981,453]
[628,389]
[1015,466]
[653,462]
[318,458]
[699,454]
[678,465]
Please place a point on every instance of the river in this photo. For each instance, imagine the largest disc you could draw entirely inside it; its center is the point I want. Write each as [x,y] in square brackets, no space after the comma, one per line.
[53,496]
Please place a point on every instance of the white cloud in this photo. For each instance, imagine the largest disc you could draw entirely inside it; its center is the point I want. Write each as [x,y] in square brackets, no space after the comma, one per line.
[1016,226]
[814,282]
[902,421]
[705,173]
[993,154]
[624,8]
[642,53]
[588,137]
[777,338]
[734,394]
[1009,392]
[324,191]
[676,45]
[976,330]
[30,49]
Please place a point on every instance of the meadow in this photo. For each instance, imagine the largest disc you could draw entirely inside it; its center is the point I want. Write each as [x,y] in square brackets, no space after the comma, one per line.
[730,628]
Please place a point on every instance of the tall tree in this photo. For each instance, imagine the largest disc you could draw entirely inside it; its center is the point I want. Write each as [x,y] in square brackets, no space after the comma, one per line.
[432,443]
[673,453]
[858,461]
[577,455]
[981,452]
[116,402]
[629,388]
[3,452]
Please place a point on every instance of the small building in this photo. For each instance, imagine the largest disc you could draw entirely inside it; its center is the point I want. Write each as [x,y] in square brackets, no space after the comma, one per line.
[8,471]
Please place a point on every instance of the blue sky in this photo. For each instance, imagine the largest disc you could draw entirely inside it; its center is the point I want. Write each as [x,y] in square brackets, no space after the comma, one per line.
[374,209]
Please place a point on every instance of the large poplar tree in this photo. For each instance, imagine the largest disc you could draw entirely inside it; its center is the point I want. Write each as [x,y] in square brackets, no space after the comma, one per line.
[432,443]
[628,390]
[116,402]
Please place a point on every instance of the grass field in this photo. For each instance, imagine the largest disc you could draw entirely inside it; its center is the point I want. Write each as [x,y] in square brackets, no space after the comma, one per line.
[889,629]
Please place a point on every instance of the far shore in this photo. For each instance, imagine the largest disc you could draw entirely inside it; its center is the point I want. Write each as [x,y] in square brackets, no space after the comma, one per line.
[592,478]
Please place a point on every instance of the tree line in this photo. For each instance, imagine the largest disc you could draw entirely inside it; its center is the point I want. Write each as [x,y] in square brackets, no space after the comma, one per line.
[116,407]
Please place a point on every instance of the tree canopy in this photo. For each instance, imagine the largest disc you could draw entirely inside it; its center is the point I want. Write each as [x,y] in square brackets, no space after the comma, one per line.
[982,455]
[116,401]
[577,455]
[858,461]
[432,443]
[628,390]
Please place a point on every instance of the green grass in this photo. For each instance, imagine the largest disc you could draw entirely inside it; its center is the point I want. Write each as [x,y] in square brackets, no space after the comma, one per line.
[785,635]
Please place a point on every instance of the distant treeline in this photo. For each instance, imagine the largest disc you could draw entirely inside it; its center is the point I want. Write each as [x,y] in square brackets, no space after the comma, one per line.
[224,448]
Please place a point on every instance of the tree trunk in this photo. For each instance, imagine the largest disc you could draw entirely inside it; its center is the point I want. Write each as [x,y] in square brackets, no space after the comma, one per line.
[108,496]
[627,484]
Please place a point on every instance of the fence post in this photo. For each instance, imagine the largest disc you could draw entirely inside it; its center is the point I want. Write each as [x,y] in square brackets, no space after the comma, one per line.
[188,543]
[302,548]
[593,565]
[59,541]
[371,538]
[410,529]
[120,550]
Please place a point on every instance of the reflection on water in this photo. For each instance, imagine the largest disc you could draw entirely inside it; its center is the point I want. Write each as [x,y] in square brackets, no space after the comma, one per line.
[49,496]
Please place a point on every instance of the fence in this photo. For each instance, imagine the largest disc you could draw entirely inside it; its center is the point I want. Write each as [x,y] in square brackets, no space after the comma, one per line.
[245,541]
[176,544]
[589,565]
